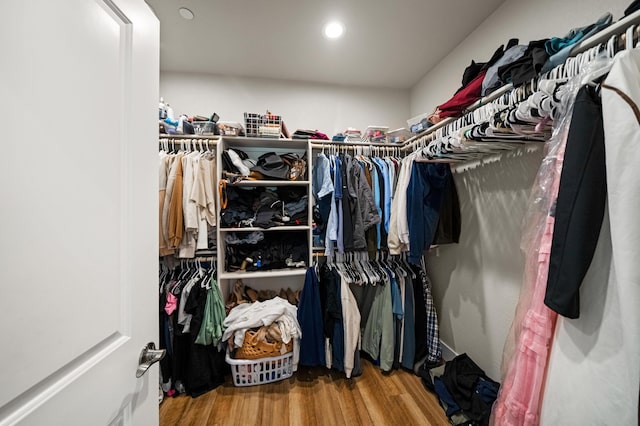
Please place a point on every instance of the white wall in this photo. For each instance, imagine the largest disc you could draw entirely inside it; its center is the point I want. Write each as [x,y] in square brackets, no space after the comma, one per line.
[477,282]
[327,108]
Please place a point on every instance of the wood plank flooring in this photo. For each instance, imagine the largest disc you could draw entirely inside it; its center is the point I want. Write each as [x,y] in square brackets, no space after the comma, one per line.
[312,397]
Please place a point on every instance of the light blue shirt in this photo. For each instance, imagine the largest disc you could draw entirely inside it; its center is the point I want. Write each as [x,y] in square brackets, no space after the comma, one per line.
[387,192]
[322,183]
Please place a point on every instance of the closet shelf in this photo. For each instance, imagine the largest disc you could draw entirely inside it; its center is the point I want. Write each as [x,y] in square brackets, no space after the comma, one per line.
[273,228]
[270,183]
[263,274]
[267,143]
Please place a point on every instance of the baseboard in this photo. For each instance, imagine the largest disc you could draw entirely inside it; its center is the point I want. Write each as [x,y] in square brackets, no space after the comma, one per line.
[447,353]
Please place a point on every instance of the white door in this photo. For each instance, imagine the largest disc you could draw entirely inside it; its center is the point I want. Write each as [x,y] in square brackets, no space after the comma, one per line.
[78,229]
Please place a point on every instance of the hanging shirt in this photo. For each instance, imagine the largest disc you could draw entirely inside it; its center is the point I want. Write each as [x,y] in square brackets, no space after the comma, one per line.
[401,243]
[425,195]
[310,318]
[322,183]
[338,195]
[384,169]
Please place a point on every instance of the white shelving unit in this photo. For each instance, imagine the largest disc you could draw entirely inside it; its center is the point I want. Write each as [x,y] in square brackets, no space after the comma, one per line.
[274,273]
[268,279]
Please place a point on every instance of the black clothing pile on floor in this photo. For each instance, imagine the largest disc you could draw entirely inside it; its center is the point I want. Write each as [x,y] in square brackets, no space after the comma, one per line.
[464,391]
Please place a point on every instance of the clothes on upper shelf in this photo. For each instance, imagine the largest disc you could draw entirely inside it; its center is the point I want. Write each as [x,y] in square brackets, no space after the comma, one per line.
[528,66]
[559,49]
[187,210]
[309,134]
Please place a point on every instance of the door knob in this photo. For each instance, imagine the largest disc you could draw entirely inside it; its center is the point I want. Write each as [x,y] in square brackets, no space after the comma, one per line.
[148,356]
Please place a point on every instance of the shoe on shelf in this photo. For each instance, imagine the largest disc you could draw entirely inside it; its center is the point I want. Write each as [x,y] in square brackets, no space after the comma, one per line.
[251,294]
[283,294]
[291,297]
[239,292]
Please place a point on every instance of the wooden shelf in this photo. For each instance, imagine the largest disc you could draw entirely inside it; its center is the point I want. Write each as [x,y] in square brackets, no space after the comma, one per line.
[273,228]
[263,274]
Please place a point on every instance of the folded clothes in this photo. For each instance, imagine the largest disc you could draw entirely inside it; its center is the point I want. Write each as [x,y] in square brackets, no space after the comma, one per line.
[234,238]
[264,208]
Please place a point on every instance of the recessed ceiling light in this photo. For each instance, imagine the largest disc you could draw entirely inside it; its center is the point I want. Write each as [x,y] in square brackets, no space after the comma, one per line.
[333,30]
[186,13]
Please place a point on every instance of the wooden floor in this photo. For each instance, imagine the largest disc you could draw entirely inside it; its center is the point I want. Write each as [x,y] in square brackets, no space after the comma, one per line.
[312,397]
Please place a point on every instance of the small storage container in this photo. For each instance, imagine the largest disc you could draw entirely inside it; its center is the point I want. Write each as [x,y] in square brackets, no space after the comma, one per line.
[376,134]
[230,128]
[205,128]
[399,135]
[263,126]
[417,119]
[262,370]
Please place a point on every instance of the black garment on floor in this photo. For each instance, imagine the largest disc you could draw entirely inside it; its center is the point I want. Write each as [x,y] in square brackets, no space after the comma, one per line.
[462,377]
[527,67]
[449,220]
[580,205]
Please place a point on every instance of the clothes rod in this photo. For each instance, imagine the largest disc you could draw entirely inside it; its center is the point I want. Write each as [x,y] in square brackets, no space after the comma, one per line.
[326,144]
[211,138]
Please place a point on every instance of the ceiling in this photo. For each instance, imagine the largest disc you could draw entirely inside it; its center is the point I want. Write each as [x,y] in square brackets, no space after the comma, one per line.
[386,43]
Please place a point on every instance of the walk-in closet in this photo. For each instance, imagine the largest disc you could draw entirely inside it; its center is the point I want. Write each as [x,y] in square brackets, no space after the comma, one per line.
[326,213]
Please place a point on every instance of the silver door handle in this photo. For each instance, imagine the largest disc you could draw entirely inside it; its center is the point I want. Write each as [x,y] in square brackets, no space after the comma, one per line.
[148,356]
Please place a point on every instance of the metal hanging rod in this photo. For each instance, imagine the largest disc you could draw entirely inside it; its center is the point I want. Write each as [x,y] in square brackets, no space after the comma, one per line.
[351,145]
[177,137]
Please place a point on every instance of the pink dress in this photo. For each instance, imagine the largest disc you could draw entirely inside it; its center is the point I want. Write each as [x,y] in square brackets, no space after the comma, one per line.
[527,348]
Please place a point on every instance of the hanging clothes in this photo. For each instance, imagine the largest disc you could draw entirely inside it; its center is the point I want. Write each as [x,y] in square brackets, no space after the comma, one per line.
[190,330]
[425,195]
[310,318]
[187,209]
[580,206]
[601,348]
[525,357]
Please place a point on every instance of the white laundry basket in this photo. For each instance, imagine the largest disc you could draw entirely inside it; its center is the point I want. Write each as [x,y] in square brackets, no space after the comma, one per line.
[252,372]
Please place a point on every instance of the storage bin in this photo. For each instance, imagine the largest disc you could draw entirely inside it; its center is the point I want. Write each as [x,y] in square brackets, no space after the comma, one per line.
[376,134]
[230,128]
[417,119]
[205,128]
[260,371]
[263,126]
[399,135]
